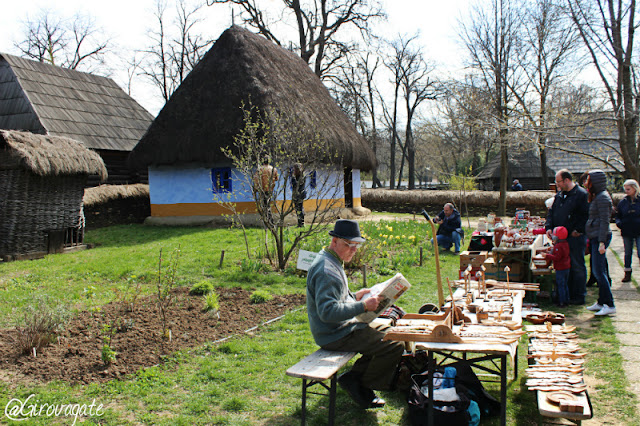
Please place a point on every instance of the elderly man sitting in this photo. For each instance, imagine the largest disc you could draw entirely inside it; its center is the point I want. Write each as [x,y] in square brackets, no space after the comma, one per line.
[450,229]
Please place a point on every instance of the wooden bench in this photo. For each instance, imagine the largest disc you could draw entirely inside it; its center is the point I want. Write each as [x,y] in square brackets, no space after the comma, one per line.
[315,369]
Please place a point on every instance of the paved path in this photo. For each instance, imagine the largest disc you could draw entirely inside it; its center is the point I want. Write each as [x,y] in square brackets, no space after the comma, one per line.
[627,318]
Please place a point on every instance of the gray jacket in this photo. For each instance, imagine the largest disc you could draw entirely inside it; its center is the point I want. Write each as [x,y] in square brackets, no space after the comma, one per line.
[597,228]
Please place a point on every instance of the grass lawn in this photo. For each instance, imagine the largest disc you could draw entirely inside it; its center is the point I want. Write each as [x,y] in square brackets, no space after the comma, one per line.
[242,381]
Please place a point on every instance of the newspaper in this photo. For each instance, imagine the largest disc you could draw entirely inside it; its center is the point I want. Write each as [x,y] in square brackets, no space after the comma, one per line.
[391,290]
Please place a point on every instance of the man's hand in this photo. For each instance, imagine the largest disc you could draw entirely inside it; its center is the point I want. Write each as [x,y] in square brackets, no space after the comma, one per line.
[371,304]
[575,234]
[362,292]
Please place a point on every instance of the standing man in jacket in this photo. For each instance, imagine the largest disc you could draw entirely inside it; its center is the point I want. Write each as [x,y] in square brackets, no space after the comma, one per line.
[332,309]
[571,209]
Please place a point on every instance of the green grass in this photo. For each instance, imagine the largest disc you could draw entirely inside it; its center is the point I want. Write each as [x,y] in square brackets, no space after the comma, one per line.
[242,381]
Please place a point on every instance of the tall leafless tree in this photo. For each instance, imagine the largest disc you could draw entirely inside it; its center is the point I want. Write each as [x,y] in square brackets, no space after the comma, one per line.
[547,54]
[75,43]
[607,28]
[490,39]
[175,47]
[319,24]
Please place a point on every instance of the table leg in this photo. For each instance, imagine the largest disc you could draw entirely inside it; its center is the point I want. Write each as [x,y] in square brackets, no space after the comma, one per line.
[332,400]
[430,370]
[503,390]
[304,401]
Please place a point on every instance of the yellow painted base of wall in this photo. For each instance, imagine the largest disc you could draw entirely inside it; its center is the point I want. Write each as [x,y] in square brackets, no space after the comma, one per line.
[247,207]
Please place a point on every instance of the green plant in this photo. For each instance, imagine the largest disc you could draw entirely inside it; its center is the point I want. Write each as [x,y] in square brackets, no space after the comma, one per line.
[108,354]
[260,296]
[165,285]
[211,302]
[253,265]
[40,323]
[202,287]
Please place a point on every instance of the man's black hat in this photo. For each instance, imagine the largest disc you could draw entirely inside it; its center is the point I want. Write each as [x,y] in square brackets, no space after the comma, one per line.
[347,230]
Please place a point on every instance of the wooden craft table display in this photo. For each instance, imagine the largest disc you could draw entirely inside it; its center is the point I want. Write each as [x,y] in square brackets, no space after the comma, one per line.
[558,380]
[522,255]
[474,343]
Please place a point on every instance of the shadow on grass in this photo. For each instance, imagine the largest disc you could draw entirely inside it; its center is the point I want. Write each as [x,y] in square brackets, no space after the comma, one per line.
[134,234]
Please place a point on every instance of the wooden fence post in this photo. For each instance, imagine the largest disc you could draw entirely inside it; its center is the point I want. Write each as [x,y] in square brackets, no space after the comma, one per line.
[221,258]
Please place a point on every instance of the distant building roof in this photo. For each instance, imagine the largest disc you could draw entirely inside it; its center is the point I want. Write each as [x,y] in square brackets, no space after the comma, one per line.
[523,164]
[585,136]
[47,99]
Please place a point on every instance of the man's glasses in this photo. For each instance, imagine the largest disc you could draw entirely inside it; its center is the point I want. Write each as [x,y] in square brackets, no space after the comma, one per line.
[351,245]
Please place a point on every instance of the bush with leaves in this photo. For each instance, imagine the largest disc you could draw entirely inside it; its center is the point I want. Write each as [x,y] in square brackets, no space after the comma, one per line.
[211,302]
[202,287]
[260,296]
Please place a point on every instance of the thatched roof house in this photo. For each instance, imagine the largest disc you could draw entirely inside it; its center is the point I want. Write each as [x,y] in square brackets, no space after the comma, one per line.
[205,113]
[42,180]
[524,166]
[50,100]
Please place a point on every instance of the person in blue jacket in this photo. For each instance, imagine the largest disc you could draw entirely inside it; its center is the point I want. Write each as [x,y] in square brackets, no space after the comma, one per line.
[450,230]
[571,209]
[332,309]
[628,220]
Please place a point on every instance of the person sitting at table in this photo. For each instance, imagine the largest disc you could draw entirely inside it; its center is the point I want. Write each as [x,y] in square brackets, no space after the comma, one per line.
[332,309]
[561,263]
[450,230]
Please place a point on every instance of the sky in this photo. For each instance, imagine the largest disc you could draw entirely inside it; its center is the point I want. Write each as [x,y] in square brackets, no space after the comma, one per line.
[127,22]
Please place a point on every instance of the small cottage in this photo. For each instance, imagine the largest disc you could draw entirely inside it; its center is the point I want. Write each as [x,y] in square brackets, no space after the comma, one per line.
[182,148]
[523,165]
[42,181]
[49,100]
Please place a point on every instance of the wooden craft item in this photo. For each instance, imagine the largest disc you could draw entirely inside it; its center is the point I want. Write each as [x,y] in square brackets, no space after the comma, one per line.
[559,396]
[507,269]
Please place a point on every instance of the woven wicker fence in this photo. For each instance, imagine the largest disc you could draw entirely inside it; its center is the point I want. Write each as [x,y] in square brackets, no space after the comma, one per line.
[33,205]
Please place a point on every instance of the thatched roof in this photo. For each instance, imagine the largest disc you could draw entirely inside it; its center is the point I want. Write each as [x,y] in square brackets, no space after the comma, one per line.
[204,113]
[47,99]
[48,155]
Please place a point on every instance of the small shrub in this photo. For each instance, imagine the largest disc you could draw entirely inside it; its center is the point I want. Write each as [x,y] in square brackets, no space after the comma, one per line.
[234,404]
[40,324]
[211,303]
[260,296]
[202,287]
[108,354]
[253,265]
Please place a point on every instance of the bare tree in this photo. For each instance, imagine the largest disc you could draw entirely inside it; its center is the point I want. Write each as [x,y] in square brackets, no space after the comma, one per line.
[546,55]
[175,48]
[318,22]
[277,138]
[490,38]
[75,43]
[607,28]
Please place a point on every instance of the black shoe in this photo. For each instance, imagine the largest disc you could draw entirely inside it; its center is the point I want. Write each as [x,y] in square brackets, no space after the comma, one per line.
[576,302]
[376,401]
[351,384]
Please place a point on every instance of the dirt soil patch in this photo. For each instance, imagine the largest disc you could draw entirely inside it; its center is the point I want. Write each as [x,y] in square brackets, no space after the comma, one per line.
[139,344]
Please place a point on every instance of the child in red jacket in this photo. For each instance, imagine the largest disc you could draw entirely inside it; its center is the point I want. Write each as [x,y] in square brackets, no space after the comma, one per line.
[561,263]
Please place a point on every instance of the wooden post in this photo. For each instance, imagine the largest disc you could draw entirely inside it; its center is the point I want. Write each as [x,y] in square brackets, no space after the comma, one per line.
[221,258]
[364,276]
[420,256]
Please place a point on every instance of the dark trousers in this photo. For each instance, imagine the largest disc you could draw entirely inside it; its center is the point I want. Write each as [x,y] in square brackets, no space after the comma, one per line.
[601,271]
[578,274]
[379,361]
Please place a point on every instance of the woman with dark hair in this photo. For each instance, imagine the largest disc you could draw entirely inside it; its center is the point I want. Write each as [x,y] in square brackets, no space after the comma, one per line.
[628,220]
[599,233]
